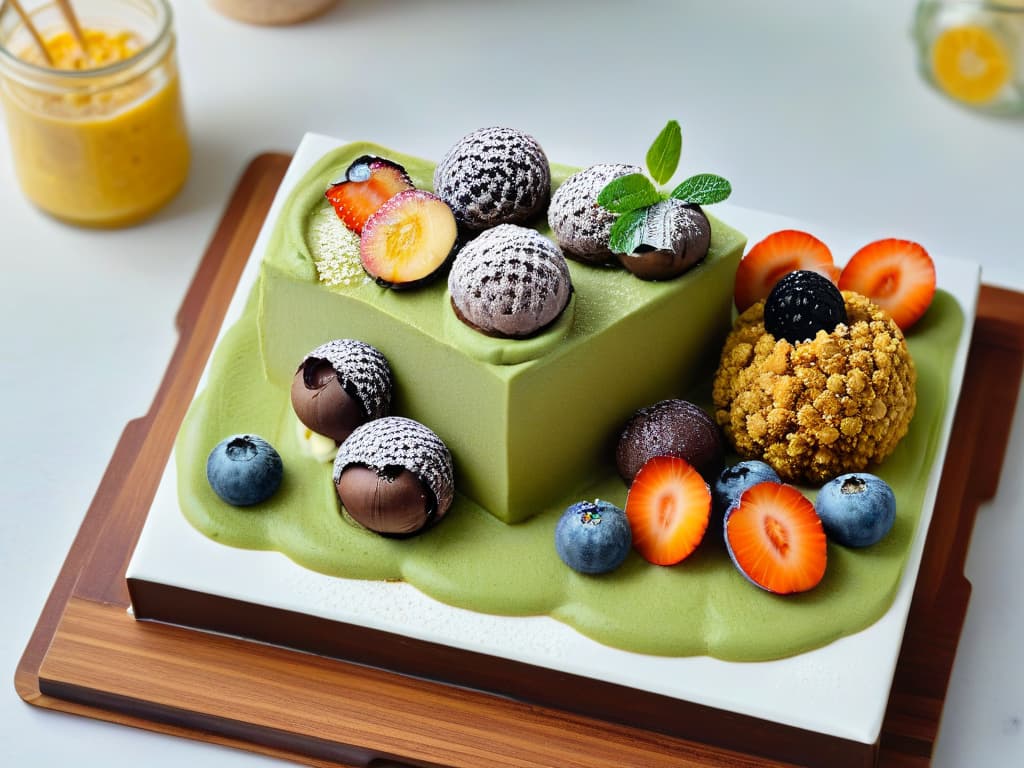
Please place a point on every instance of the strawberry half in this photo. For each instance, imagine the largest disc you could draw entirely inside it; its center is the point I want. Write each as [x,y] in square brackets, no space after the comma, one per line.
[776,540]
[775,257]
[898,275]
[369,182]
[668,508]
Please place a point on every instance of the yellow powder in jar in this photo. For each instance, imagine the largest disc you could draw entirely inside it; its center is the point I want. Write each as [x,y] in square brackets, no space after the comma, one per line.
[108,149]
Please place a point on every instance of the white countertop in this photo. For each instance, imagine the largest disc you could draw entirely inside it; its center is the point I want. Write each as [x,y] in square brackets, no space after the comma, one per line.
[811,109]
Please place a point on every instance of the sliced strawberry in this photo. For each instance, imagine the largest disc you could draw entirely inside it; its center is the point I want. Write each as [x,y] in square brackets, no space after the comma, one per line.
[368,183]
[775,539]
[668,507]
[898,275]
[408,239]
[775,257]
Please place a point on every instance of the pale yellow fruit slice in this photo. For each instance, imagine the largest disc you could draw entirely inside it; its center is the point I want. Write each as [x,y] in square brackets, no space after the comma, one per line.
[971,63]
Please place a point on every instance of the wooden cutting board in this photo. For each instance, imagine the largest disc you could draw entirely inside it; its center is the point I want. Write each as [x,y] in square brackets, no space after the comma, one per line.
[88,656]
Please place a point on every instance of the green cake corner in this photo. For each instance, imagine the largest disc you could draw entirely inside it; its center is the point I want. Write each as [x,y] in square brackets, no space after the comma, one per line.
[629,344]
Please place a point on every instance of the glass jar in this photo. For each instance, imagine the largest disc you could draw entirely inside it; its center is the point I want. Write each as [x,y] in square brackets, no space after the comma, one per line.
[99,140]
[272,11]
[973,52]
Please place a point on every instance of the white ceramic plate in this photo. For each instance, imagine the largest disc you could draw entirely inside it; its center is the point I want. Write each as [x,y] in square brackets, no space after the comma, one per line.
[840,690]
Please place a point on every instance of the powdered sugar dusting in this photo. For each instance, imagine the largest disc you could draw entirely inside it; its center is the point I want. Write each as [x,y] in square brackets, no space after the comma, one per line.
[510,281]
[494,176]
[335,250]
[675,225]
[582,226]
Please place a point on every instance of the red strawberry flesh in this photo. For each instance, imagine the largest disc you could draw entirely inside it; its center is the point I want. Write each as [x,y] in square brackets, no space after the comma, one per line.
[668,508]
[776,256]
[897,275]
[776,540]
[369,182]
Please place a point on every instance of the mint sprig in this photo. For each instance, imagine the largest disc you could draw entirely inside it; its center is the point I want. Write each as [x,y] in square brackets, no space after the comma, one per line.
[663,156]
[627,193]
[702,189]
[628,230]
[632,195]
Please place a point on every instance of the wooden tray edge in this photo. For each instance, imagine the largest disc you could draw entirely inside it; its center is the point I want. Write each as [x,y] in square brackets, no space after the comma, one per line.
[999,332]
[248,194]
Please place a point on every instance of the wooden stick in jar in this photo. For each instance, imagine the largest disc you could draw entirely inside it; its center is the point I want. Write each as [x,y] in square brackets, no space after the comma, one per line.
[68,12]
[27,21]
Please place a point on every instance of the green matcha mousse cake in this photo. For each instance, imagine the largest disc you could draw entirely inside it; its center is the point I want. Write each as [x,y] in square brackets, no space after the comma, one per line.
[528,421]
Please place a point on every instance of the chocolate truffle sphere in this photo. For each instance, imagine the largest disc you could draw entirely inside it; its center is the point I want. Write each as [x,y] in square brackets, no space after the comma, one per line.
[509,282]
[390,501]
[676,236]
[670,428]
[394,476]
[580,224]
[494,176]
[340,385]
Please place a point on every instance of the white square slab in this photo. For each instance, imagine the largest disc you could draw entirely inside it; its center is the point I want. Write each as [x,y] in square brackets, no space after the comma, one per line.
[840,690]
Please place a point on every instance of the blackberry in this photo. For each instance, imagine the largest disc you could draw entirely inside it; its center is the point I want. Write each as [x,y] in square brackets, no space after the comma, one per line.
[801,304]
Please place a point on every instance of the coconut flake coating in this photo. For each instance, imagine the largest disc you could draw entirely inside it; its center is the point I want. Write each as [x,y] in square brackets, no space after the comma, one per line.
[494,176]
[362,371]
[395,441]
[510,281]
[582,226]
[819,408]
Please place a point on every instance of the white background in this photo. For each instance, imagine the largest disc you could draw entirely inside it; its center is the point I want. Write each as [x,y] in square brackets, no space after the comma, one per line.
[812,109]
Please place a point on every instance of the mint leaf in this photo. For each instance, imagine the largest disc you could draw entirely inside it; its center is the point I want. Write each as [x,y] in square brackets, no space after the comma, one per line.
[663,156]
[703,189]
[628,231]
[627,193]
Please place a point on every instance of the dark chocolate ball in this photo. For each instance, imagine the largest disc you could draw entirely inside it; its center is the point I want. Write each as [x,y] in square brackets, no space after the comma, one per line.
[670,428]
[321,402]
[579,223]
[341,385]
[394,476]
[391,501]
[510,282]
[494,176]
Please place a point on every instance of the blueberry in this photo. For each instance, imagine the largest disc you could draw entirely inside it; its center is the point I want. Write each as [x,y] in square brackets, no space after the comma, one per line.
[244,470]
[856,510]
[730,485]
[593,537]
[801,304]
[733,481]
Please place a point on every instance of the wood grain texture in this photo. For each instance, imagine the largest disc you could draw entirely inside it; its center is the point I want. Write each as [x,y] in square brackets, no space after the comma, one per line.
[88,656]
[126,490]
[580,695]
[326,705]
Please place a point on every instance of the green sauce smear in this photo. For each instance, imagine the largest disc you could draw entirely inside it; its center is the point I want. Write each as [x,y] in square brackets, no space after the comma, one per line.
[702,606]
